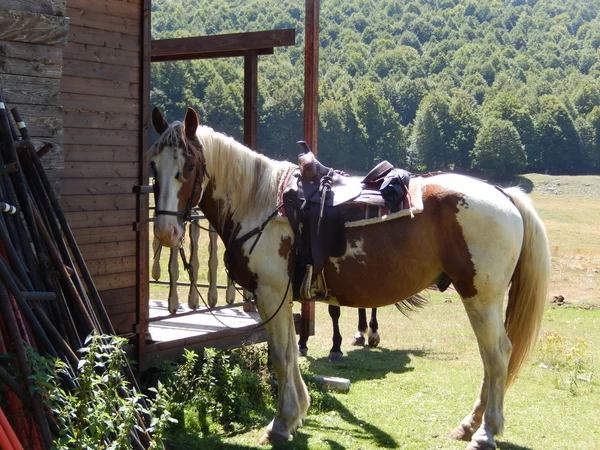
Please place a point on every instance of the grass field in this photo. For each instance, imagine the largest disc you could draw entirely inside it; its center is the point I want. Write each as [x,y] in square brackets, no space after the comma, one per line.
[423,379]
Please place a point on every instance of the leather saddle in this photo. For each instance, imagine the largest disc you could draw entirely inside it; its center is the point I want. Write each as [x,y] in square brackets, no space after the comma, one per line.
[318,201]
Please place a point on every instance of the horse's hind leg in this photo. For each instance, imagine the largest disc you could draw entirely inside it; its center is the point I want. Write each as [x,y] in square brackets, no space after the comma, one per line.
[486,420]
[335,354]
[374,338]
[359,337]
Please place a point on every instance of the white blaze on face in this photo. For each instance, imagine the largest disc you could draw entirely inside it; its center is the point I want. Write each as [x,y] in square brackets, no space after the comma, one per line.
[354,249]
[166,227]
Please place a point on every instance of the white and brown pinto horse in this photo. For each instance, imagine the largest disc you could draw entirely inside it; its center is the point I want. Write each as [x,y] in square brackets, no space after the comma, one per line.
[480,238]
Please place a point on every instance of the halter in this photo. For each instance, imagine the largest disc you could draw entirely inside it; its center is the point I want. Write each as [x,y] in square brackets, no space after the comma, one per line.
[187,213]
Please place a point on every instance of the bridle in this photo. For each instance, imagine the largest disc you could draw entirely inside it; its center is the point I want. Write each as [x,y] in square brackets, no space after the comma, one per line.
[186,214]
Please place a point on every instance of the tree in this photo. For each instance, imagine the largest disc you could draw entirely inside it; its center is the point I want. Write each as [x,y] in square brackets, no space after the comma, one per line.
[498,150]
[465,123]
[383,135]
[430,140]
[557,139]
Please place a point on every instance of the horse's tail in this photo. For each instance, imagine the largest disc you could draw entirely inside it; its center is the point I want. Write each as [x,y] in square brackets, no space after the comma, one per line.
[529,285]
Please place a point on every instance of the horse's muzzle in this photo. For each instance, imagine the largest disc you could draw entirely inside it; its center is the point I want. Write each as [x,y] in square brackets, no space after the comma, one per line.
[168,233]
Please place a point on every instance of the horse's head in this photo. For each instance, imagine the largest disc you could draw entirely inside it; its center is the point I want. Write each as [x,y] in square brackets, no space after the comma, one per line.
[177,161]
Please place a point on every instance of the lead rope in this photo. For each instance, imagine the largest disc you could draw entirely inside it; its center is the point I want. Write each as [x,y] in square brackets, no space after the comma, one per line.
[188,267]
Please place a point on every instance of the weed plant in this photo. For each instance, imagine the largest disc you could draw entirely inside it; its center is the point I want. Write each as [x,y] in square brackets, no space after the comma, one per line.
[569,360]
[101,411]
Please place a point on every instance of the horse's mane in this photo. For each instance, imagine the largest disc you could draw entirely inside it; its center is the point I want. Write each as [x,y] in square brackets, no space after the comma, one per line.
[246,179]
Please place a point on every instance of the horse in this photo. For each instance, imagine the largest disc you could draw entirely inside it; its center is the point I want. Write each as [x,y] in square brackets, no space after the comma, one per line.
[483,240]
[365,333]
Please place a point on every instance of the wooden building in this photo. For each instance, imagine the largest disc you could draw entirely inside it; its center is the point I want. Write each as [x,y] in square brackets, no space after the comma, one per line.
[79,72]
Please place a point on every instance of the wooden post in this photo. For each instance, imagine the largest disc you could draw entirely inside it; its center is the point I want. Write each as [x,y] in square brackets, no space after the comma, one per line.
[251,99]
[142,232]
[311,118]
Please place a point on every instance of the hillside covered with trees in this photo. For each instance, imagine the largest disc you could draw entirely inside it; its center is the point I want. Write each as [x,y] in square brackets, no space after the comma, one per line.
[497,87]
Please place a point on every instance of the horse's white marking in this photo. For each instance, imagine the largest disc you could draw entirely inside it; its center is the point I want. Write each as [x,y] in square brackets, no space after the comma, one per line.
[486,208]
[353,250]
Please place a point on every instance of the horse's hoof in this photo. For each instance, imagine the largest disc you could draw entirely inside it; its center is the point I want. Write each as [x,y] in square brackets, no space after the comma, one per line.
[482,440]
[374,340]
[461,433]
[483,445]
[358,340]
[303,351]
[335,357]
[272,438]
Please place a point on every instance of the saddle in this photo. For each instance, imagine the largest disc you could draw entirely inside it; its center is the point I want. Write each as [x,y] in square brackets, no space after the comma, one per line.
[319,201]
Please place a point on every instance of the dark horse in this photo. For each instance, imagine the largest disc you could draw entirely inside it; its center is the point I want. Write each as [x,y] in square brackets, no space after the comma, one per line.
[371,333]
[482,239]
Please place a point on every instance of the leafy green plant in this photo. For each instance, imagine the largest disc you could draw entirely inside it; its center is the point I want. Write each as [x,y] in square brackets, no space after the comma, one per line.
[101,412]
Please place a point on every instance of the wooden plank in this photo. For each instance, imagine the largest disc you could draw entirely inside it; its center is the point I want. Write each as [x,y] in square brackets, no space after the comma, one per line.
[104,234]
[29,68]
[34,28]
[30,59]
[103,71]
[106,153]
[114,249]
[40,126]
[88,136]
[111,265]
[118,8]
[97,186]
[311,74]
[99,103]
[119,309]
[105,88]
[89,169]
[94,53]
[110,39]
[73,203]
[118,296]
[115,281]
[122,323]
[101,120]
[18,89]
[104,22]
[51,7]
[96,219]
[54,159]
[201,46]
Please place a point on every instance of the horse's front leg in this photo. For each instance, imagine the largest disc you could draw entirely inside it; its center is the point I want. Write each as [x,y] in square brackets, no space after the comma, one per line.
[293,398]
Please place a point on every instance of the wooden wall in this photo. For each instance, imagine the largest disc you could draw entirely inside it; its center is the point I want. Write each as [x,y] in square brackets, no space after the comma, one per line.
[102,110]
[32,37]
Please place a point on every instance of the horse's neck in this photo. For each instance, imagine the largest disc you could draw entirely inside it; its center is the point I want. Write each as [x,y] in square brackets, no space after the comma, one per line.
[243,187]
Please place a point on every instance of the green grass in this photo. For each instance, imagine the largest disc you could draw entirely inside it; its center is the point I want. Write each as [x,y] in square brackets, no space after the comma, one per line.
[423,379]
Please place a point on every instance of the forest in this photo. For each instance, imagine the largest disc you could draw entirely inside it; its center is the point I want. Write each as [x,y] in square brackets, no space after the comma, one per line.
[496,87]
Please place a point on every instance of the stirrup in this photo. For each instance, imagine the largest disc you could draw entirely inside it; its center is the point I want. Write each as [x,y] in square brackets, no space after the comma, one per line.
[305,293]
[319,287]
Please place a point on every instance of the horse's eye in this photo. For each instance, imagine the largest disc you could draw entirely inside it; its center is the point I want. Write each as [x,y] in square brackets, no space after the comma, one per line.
[190,167]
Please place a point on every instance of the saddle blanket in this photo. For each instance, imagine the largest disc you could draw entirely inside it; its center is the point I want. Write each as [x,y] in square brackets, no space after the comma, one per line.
[360,214]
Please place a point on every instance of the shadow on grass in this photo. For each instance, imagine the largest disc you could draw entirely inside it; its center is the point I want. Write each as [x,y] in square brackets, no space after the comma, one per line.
[365,363]
[510,446]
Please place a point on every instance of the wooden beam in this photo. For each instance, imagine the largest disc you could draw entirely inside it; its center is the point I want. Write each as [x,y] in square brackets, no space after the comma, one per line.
[221,45]
[311,74]
[251,99]
[311,119]
[33,28]
[142,272]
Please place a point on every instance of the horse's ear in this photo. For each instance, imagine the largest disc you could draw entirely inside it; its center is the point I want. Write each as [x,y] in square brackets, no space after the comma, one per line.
[158,121]
[191,122]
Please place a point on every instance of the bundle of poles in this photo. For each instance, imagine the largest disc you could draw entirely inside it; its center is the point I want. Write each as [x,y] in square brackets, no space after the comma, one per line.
[48,299]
